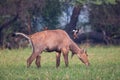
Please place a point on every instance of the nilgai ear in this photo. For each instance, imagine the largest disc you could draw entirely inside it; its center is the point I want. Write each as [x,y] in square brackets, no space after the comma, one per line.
[85,51]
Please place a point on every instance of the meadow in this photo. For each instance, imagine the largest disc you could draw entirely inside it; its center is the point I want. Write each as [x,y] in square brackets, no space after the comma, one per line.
[104,60]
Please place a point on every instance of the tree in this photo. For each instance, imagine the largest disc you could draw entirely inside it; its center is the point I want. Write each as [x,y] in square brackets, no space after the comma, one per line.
[17,15]
[51,13]
[19,10]
[74,18]
[105,18]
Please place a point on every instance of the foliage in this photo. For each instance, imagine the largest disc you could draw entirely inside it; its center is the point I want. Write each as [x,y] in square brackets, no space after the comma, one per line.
[106,18]
[20,7]
[25,10]
[97,2]
[105,64]
[106,11]
[19,11]
[51,13]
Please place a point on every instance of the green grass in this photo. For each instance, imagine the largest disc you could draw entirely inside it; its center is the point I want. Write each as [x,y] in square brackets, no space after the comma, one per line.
[105,65]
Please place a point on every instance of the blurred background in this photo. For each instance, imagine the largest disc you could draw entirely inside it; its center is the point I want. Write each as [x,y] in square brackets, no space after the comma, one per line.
[96,21]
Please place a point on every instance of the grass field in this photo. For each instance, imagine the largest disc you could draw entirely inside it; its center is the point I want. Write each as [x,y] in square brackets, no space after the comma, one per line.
[105,65]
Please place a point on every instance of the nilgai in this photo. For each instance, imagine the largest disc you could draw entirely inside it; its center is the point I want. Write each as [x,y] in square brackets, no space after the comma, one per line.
[53,40]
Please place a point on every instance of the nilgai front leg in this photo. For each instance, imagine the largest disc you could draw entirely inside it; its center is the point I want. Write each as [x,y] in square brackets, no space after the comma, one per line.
[65,55]
[58,59]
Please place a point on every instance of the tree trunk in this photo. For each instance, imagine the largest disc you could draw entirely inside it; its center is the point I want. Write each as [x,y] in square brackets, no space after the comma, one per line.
[74,18]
